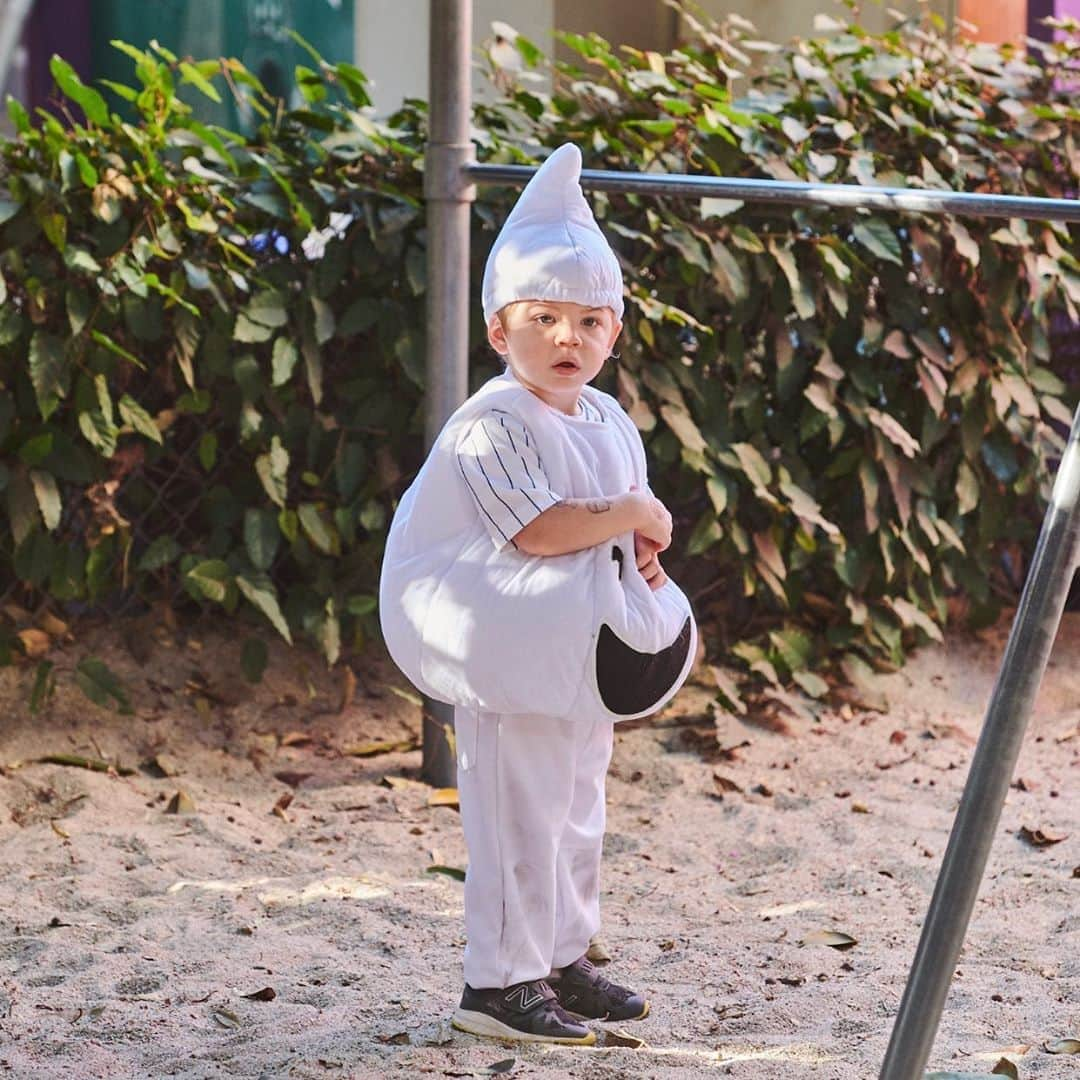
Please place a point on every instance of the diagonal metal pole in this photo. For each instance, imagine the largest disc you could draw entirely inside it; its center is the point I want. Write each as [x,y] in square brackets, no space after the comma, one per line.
[1032,636]
[448,195]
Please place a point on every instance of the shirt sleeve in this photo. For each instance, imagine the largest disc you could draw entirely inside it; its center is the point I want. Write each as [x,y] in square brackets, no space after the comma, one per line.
[503,471]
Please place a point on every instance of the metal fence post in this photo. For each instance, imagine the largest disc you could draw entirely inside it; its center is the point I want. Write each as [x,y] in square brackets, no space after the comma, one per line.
[1022,667]
[449,196]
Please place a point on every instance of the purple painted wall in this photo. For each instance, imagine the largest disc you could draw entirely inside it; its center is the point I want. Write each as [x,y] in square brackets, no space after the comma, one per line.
[61,27]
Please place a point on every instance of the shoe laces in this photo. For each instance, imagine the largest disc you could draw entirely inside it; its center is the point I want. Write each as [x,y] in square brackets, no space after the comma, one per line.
[592,976]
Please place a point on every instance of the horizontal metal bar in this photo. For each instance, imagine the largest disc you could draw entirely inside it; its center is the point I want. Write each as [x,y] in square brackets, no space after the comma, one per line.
[792,193]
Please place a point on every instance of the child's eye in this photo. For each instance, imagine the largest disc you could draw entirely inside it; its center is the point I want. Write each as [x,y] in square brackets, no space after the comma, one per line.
[590,321]
[545,319]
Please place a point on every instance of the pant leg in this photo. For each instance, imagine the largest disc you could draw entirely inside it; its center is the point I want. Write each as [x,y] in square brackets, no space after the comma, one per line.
[516,787]
[577,904]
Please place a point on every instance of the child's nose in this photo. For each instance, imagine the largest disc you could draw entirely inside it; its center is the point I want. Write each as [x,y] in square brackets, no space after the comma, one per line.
[568,334]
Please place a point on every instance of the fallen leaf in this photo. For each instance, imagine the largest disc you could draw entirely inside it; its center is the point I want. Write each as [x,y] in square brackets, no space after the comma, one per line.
[1040,837]
[293,779]
[1063,1046]
[897,737]
[267,993]
[389,746]
[833,938]
[948,731]
[295,738]
[860,808]
[730,753]
[401,783]
[665,946]
[407,695]
[622,1038]
[180,803]
[790,909]
[14,612]
[450,871]
[282,805]
[348,688]
[53,626]
[35,643]
[78,762]
[446,796]
[1005,1067]
[730,1012]
[59,832]
[225,1017]
[724,785]
[763,790]
[1022,784]
[597,951]
[884,766]
[399,1038]
[1015,1050]
[165,765]
[442,1037]
[1076,871]
[727,688]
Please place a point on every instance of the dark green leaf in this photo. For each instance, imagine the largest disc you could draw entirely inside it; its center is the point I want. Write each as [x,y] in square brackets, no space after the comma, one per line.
[93,104]
[878,237]
[44,686]
[261,536]
[254,657]
[162,551]
[192,75]
[48,371]
[259,590]
[100,685]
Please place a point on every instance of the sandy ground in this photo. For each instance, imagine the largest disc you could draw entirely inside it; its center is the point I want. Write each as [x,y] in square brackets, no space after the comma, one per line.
[236,941]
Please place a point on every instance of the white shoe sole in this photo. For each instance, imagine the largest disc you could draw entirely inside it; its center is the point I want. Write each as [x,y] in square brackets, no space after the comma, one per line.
[478,1023]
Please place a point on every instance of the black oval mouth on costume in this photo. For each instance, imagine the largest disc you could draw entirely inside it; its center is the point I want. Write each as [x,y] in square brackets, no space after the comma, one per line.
[629,682]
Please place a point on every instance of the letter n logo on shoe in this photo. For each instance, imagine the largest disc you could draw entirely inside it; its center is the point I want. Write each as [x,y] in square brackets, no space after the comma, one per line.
[526,995]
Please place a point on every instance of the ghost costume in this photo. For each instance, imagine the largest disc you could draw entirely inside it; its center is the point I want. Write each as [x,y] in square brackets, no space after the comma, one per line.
[539,655]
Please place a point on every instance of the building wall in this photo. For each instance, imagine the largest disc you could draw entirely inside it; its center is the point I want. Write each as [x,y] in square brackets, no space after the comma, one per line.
[391,35]
[1003,20]
[392,42]
[782,20]
[645,24]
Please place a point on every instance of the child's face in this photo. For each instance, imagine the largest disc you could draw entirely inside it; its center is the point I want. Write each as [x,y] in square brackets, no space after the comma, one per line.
[554,347]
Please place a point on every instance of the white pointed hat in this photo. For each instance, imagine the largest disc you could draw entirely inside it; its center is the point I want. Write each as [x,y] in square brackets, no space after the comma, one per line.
[550,247]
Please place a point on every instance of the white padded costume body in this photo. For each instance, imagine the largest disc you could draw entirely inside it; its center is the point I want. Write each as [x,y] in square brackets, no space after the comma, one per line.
[511,633]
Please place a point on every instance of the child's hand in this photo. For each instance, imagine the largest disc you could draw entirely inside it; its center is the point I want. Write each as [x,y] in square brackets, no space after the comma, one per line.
[645,552]
[653,519]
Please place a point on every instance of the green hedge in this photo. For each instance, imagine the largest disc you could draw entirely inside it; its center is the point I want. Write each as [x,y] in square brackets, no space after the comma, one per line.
[852,415]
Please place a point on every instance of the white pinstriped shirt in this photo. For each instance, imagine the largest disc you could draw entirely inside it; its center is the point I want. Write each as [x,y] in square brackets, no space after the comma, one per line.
[505,475]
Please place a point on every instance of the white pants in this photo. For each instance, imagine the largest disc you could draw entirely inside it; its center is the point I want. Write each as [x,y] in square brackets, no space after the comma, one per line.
[531,791]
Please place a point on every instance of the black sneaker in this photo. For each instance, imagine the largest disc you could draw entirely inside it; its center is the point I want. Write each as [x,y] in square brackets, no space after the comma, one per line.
[582,991]
[524,1012]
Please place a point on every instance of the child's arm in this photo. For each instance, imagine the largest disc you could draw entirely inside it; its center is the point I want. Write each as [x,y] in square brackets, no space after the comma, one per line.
[576,524]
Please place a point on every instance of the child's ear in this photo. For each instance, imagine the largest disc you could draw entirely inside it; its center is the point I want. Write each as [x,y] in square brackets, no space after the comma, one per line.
[496,335]
[615,332]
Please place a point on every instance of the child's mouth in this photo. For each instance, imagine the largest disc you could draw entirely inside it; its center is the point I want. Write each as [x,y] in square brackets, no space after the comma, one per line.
[566,365]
